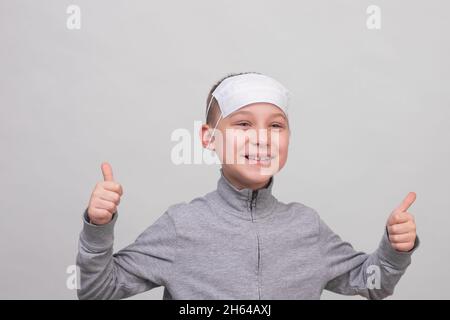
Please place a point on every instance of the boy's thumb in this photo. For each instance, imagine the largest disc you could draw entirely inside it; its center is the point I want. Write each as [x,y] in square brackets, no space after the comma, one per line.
[407,202]
[107,172]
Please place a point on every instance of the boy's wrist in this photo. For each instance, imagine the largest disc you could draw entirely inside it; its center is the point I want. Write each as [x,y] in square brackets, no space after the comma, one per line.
[400,259]
[88,219]
[98,236]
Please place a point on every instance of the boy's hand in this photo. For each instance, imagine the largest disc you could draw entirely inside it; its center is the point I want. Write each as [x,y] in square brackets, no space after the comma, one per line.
[401,225]
[105,198]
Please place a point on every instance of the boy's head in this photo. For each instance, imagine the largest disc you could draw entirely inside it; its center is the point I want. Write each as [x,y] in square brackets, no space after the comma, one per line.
[247,126]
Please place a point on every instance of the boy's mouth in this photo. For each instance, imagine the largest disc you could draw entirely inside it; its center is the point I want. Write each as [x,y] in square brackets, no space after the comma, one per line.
[259,159]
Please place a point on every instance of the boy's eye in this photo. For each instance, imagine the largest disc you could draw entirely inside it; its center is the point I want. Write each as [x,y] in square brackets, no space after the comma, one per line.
[277,125]
[243,124]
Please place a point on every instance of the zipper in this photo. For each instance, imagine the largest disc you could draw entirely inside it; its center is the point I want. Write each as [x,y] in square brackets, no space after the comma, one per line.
[253,202]
[252,205]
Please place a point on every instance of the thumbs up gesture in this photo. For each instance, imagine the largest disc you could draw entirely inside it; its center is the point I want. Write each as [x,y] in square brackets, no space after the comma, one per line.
[105,198]
[401,225]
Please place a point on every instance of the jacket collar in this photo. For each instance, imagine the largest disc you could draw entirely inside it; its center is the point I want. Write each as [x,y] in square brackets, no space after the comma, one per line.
[245,203]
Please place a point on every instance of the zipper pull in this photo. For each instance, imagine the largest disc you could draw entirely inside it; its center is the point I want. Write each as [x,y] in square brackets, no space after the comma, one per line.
[254,195]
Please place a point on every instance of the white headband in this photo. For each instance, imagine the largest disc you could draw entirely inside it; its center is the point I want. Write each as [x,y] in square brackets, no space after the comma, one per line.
[238,91]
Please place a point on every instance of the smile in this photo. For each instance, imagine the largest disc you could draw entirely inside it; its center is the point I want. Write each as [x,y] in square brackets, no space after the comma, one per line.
[259,159]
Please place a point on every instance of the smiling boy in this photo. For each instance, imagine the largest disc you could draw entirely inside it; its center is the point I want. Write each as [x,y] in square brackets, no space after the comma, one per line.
[238,241]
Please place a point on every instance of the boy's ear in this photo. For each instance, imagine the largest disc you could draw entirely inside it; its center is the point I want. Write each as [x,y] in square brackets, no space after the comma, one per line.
[205,135]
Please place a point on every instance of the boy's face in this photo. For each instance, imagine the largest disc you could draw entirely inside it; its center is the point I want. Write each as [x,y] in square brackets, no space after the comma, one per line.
[251,143]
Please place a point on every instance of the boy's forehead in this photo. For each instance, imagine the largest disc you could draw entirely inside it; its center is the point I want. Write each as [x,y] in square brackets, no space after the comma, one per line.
[269,110]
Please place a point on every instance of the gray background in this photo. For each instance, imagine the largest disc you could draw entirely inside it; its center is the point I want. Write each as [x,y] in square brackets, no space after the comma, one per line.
[370,116]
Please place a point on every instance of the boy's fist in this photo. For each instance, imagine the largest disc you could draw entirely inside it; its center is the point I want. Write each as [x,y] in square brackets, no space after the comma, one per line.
[105,198]
[401,225]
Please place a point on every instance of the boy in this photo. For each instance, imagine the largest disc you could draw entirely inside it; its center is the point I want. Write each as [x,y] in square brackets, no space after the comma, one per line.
[239,241]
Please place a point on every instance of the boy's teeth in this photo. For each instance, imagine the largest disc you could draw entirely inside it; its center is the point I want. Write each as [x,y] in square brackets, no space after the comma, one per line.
[259,158]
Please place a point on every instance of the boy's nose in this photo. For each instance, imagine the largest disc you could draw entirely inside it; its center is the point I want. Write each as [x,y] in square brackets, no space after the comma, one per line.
[261,139]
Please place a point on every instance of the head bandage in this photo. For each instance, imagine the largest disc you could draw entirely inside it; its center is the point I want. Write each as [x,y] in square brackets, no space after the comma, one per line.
[238,91]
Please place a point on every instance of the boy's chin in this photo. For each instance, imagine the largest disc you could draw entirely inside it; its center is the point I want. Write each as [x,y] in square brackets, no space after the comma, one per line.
[254,174]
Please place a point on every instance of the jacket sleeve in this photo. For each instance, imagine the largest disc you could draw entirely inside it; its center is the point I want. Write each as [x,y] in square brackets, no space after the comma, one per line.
[141,266]
[350,272]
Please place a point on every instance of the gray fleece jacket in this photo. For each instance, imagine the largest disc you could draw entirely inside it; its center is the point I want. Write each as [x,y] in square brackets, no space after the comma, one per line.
[235,244]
